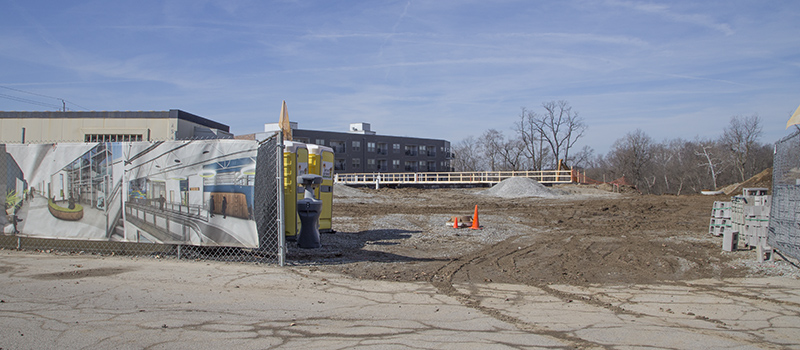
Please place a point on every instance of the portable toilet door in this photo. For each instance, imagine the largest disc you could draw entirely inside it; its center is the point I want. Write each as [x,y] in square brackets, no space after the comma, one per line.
[302,168]
[295,160]
[320,162]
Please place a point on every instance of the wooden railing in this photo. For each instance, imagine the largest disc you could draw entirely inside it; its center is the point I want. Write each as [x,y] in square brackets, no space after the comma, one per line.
[480,177]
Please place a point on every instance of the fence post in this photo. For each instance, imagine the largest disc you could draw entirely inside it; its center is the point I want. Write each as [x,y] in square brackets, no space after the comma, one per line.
[281,204]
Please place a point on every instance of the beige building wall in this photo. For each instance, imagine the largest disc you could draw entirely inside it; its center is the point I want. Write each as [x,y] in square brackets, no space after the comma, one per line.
[74,126]
[39,130]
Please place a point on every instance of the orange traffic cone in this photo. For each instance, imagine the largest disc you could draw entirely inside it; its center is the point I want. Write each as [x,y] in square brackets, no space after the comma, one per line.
[475,225]
[455,222]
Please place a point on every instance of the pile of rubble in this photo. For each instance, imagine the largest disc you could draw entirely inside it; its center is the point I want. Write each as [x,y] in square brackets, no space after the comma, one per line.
[520,187]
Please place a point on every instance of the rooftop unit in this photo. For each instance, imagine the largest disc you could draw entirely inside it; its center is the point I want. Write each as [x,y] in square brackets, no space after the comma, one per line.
[360,128]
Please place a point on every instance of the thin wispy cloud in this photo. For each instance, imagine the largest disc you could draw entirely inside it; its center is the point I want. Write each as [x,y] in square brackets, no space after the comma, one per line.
[394,28]
[336,36]
[456,68]
[577,38]
[665,11]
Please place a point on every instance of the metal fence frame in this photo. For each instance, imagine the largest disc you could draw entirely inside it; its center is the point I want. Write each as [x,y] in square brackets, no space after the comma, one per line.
[784,221]
[267,212]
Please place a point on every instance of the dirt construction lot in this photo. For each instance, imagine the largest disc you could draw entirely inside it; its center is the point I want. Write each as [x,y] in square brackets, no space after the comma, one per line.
[583,268]
[579,235]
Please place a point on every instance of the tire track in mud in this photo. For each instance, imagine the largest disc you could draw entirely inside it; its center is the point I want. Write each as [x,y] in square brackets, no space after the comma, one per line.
[443,281]
[571,242]
[503,254]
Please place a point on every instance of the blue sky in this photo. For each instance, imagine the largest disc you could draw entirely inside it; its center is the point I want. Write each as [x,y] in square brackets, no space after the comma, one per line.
[436,69]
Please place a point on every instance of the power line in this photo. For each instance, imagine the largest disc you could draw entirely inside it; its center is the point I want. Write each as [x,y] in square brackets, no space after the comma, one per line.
[77,105]
[28,92]
[20,99]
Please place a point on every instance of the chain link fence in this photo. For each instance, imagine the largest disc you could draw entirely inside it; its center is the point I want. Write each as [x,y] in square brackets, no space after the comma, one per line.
[269,199]
[196,221]
[784,222]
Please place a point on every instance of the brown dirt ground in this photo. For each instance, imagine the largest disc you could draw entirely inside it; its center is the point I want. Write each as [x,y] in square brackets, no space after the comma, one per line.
[587,235]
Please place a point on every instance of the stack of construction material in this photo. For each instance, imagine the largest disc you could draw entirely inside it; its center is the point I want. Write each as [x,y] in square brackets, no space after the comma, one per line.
[720,218]
[459,221]
[750,216]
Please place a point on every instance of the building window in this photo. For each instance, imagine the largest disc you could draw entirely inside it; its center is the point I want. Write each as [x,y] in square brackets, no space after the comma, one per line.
[111,137]
[320,142]
[356,163]
[411,166]
[395,164]
[396,148]
[301,139]
[411,150]
[356,146]
[338,146]
[382,165]
[382,149]
[370,146]
[431,151]
[423,166]
[370,164]
[339,164]
[431,166]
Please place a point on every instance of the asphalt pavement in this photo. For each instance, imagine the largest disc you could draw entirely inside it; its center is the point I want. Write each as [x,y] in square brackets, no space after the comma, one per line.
[51,301]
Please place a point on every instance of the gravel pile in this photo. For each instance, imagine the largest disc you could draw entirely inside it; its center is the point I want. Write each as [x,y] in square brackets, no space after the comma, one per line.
[519,187]
[345,191]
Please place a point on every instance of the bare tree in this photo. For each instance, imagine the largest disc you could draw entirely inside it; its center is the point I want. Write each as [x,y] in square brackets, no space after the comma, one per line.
[560,127]
[681,167]
[511,154]
[600,168]
[762,157]
[708,151]
[631,156]
[675,166]
[741,138]
[583,159]
[661,160]
[491,142]
[467,155]
[530,136]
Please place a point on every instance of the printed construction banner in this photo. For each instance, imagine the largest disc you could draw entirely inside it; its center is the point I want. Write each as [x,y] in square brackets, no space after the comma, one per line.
[175,192]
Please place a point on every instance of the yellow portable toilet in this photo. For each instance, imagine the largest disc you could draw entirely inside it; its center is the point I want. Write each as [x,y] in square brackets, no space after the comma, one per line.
[302,167]
[320,162]
[295,163]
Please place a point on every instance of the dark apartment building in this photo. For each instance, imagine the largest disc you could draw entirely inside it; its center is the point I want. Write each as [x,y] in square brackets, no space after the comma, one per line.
[361,150]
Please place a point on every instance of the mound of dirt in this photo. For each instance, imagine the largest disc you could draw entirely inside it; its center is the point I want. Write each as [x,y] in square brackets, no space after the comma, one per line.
[519,187]
[345,191]
[762,179]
